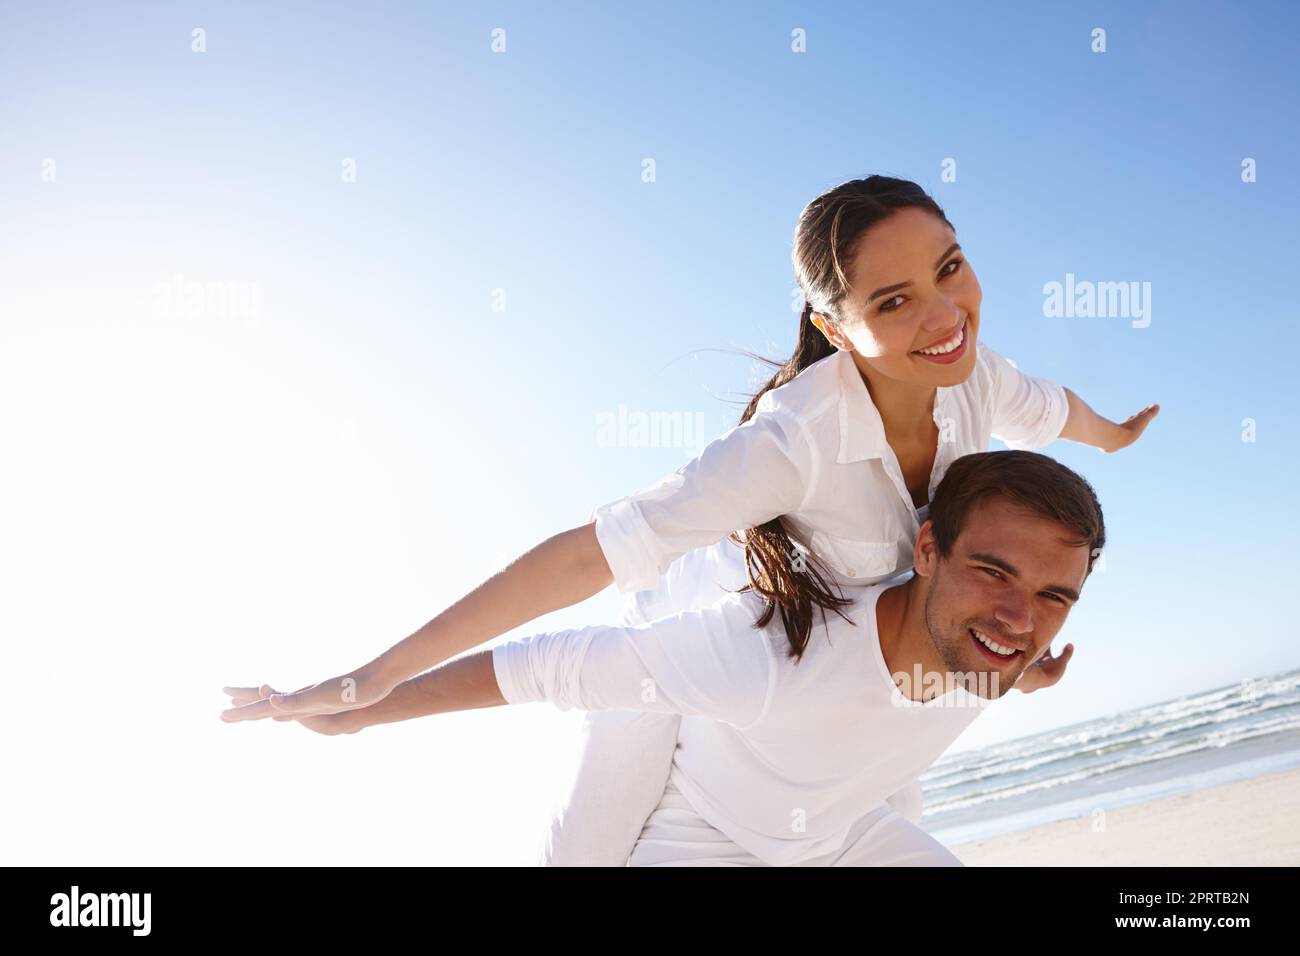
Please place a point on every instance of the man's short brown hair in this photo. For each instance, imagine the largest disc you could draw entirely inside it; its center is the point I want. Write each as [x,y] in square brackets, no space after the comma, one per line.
[1027,480]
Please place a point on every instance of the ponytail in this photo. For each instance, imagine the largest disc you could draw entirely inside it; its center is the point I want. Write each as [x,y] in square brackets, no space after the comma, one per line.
[794,586]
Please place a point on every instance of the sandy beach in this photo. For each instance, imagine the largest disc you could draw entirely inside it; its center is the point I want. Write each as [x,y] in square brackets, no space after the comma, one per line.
[1253,822]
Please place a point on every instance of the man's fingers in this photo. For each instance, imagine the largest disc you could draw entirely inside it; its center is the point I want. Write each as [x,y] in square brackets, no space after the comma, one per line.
[253,703]
[328,697]
[255,710]
[1057,666]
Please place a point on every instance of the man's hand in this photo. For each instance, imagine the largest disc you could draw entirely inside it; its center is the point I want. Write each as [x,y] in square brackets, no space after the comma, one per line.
[335,696]
[1045,671]
[328,724]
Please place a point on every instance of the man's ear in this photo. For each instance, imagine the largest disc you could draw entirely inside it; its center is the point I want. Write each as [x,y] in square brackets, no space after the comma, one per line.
[925,553]
[832,333]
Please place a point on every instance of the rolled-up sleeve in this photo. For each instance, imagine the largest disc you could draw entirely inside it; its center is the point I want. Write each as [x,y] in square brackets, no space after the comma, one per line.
[752,474]
[709,662]
[1028,411]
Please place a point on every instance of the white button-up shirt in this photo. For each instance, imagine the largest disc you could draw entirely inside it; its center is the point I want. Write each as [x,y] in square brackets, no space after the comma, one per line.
[815,454]
[782,758]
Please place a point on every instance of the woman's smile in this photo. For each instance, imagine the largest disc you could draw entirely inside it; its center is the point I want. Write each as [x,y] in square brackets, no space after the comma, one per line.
[947,350]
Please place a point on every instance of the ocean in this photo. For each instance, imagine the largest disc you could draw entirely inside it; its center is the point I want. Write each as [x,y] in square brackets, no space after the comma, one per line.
[1230,733]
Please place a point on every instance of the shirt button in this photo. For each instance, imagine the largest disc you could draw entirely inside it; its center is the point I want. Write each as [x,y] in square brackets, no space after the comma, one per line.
[853,572]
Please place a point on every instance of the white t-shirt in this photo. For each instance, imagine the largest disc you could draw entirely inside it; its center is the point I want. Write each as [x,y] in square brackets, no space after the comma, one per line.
[782,758]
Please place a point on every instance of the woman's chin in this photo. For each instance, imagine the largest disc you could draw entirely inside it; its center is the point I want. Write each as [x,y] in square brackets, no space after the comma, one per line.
[947,376]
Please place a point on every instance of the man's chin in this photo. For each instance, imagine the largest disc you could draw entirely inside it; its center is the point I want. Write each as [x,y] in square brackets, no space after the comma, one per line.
[989,682]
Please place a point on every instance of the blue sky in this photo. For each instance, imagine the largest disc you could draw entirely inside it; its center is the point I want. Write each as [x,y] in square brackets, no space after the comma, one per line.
[202,498]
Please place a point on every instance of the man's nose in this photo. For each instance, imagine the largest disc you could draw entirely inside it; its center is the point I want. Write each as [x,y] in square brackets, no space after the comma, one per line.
[1015,614]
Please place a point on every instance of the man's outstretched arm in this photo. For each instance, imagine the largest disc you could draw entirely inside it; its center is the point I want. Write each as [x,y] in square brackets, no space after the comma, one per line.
[708,662]
[464,683]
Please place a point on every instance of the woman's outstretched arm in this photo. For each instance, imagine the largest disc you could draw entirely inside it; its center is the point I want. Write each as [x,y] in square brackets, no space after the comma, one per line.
[751,474]
[1030,412]
[1087,427]
[650,667]
[561,571]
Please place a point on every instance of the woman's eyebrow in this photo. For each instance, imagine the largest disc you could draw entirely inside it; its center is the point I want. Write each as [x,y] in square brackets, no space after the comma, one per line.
[903,285]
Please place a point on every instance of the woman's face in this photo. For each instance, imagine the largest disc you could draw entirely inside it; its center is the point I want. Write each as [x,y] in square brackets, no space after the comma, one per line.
[912,289]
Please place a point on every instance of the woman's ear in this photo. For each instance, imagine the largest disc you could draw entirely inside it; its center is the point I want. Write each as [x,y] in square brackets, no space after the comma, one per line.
[829,329]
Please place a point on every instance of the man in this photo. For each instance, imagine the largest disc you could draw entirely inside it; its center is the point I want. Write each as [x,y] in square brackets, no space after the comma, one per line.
[784,761]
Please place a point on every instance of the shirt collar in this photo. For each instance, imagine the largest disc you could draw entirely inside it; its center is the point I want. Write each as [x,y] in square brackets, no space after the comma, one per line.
[862,433]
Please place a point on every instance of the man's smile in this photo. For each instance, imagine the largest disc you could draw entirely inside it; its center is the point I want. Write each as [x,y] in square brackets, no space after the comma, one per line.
[1000,654]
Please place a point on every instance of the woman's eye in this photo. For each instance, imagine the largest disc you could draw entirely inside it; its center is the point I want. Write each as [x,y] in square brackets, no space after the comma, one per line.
[886,307]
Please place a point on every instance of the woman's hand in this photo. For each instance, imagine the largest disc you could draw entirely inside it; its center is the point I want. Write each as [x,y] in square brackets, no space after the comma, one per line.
[1045,671]
[1131,429]
[564,569]
[328,724]
[1084,425]
[335,696]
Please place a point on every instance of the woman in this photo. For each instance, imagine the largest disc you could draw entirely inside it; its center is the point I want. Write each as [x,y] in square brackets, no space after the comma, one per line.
[824,482]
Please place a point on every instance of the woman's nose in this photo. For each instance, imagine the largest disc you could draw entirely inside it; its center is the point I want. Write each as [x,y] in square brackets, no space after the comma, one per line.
[941,317]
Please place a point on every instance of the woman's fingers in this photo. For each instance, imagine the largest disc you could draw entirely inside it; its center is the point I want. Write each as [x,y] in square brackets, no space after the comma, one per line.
[242,697]
[1131,428]
[328,697]
[334,696]
[1148,413]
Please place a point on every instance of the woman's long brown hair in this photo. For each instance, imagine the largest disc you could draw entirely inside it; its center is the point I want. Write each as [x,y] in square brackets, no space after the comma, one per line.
[825,238]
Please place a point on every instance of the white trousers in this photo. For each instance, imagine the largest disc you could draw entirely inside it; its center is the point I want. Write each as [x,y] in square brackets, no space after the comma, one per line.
[675,835]
[615,803]
[621,775]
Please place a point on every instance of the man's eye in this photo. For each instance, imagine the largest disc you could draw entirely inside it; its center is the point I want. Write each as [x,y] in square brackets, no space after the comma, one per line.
[996,574]
[1055,597]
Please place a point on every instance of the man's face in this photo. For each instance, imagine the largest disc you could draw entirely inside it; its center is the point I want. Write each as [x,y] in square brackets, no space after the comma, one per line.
[1010,580]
